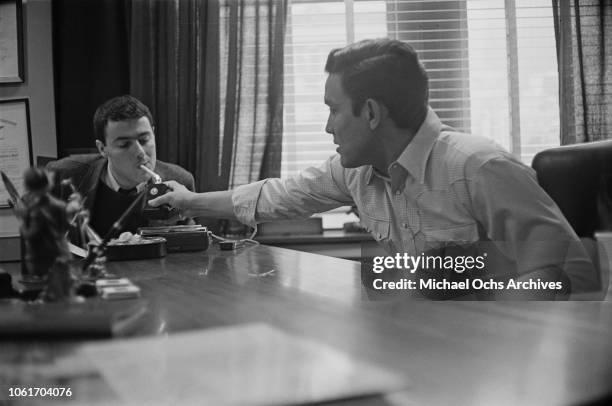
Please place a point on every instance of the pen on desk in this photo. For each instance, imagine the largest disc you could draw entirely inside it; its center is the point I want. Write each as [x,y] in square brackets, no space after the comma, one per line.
[156,177]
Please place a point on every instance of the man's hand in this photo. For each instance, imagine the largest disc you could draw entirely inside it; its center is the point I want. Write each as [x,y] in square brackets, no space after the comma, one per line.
[179,198]
[210,204]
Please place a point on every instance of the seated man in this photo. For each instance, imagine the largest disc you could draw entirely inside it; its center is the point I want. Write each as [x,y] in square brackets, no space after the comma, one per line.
[421,188]
[111,180]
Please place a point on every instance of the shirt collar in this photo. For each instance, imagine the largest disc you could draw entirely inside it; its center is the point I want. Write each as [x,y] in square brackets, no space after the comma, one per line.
[111,182]
[415,155]
[397,176]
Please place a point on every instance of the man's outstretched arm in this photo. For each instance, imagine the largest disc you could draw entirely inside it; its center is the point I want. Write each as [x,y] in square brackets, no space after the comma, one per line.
[314,190]
[191,204]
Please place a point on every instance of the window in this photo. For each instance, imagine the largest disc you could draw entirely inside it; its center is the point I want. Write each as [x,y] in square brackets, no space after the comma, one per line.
[492,67]
[514,92]
[314,29]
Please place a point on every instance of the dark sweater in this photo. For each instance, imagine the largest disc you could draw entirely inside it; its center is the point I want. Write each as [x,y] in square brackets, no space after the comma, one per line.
[86,172]
[109,206]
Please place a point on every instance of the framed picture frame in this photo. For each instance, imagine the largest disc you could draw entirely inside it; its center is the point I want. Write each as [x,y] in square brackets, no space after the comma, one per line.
[15,143]
[11,42]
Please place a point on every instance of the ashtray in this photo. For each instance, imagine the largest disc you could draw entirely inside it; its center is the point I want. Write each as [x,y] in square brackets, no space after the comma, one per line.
[135,247]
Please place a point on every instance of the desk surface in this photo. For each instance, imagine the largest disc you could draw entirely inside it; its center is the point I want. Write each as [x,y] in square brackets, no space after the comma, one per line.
[327,237]
[451,352]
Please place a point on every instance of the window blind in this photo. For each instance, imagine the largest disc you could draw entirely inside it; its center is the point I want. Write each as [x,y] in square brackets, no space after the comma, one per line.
[526,79]
[491,64]
[314,29]
[438,32]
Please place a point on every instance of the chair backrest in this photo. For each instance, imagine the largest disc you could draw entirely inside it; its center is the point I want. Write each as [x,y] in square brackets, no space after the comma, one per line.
[579,179]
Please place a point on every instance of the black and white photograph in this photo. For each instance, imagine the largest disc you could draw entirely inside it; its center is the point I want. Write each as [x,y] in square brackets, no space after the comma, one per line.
[306,202]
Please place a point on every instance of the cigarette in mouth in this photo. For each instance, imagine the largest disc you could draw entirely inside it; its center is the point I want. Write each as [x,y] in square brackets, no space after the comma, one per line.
[155,176]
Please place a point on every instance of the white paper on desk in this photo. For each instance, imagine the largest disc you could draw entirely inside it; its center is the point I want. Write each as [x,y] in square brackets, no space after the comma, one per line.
[253,364]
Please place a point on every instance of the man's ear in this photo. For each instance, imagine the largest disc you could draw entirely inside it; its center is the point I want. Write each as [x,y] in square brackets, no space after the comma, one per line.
[101,148]
[373,111]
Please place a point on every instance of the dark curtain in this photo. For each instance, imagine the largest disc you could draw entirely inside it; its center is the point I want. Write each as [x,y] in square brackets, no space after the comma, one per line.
[252,39]
[172,54]
[211,71]
[583,31]
[91,65]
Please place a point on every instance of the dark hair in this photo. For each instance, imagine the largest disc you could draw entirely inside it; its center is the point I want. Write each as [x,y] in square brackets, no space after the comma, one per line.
[119,108]
[387,71]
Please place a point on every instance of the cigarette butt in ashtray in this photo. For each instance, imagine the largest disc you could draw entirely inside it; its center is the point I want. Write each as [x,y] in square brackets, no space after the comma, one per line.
[156,177]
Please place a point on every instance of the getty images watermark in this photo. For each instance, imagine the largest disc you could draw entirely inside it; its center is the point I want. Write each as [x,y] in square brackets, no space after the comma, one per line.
[428,264]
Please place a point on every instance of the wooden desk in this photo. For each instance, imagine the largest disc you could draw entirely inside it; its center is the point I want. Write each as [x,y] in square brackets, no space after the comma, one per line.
[451,352]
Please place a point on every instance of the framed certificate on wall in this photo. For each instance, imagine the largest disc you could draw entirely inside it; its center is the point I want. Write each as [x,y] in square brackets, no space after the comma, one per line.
[15,143]
[11,42]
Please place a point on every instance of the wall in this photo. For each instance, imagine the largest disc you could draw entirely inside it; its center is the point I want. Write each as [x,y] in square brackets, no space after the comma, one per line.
[38,88]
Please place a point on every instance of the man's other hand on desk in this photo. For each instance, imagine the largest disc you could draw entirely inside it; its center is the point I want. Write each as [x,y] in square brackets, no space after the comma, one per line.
[190,204]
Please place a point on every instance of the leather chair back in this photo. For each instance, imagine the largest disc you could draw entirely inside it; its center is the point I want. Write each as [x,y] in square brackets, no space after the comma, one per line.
[579,179]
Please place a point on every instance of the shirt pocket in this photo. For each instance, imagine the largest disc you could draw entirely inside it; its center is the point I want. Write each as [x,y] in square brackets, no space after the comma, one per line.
[379,229]
[442,213]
